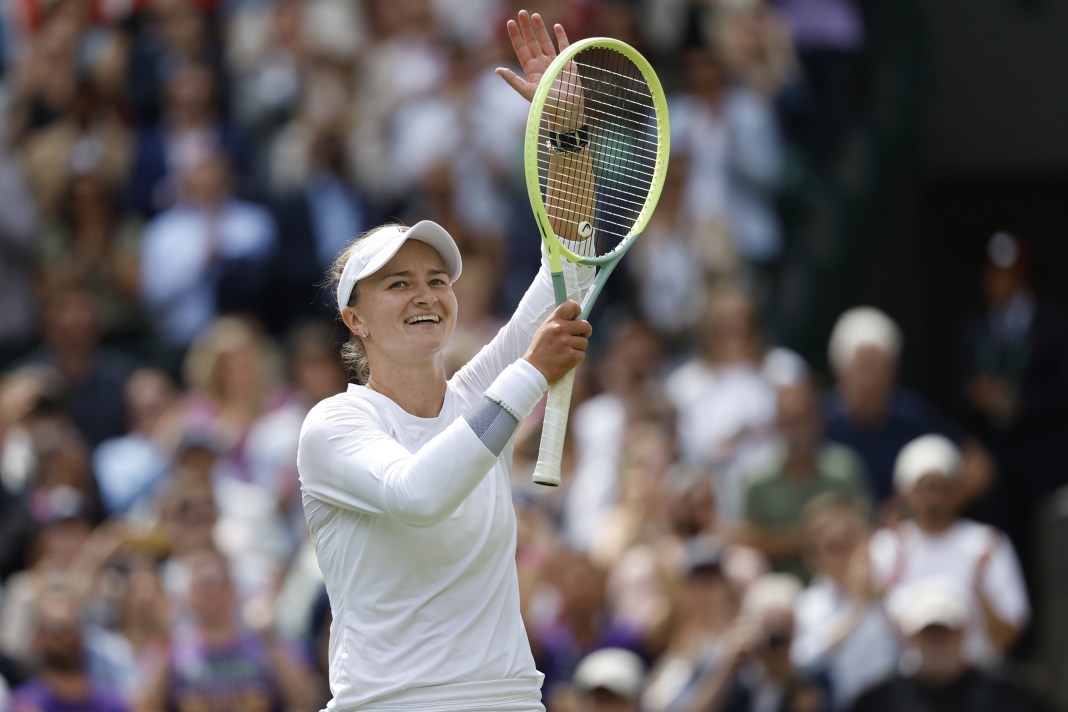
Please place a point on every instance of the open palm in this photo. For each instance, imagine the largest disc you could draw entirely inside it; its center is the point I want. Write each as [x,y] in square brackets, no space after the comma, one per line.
[534,49]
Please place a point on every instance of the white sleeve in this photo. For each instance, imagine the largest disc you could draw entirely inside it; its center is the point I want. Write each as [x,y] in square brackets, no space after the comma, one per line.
[886,557]
[512,340]
[169,272]
[814,628]
[1004,586]
[346,459]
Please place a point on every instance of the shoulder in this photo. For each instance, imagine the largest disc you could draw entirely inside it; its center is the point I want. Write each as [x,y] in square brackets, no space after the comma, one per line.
[883,695]
[341,410]
[1016,691]
[840,462]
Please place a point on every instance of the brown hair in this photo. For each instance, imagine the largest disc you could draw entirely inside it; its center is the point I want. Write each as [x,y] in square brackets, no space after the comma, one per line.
[353,353]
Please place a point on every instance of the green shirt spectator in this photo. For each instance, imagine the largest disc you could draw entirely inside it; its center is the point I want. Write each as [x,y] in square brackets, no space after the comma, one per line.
[805,467]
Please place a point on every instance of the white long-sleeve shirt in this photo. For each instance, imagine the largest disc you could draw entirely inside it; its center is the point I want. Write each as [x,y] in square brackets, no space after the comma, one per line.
[415,533]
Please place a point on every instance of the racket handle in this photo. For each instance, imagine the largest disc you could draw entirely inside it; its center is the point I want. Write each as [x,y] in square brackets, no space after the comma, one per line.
[553,429]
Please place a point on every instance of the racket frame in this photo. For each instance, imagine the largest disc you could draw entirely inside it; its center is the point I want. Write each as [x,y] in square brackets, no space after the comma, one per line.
[554,426]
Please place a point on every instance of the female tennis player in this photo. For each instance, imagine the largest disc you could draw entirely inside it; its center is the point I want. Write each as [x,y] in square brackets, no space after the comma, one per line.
[406,478]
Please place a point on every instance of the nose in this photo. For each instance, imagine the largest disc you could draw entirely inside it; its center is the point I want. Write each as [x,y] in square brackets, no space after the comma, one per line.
[425,296]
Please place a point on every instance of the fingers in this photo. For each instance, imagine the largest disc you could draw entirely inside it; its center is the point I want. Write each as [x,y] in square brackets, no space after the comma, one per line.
[518,45]
[561,37]
[526,28]
[542,34]
[530,36]
[568,310]
[515,82]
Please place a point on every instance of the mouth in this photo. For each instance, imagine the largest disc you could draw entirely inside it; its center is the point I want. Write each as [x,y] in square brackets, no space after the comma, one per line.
[423,319]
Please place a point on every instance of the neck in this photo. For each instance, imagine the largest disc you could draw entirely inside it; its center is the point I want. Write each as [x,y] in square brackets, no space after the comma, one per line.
[934,525]
[220,633]
[800,463]
[67,685]
[418,389]
[869,412]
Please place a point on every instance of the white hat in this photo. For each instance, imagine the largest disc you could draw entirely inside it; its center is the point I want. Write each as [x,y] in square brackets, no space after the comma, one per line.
[617,670]
[378,248]
[929,601]
[862,326]
[926,455]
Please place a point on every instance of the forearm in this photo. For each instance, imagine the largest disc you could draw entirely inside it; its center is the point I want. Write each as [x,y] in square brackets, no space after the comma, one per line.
[976,472]
[1002,633]
[296,683]
[711,692]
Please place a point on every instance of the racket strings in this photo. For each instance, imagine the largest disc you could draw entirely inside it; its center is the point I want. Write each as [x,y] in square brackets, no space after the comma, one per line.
[622,131]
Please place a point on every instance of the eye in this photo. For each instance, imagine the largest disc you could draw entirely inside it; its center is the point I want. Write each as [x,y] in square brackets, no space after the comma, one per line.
[438,282]
[398,285]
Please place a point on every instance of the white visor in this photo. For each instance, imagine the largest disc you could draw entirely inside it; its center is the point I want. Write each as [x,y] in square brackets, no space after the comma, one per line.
[378,248]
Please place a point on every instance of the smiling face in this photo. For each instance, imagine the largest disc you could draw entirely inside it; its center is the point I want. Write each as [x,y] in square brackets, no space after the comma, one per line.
[406,311]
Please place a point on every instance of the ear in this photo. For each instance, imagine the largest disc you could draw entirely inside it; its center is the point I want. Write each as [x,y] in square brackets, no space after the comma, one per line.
[354,322]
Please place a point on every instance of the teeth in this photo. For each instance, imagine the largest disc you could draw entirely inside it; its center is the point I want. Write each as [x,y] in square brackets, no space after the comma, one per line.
[420,319]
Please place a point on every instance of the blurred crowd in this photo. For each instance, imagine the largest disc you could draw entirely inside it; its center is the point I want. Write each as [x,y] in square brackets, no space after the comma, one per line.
[738,531]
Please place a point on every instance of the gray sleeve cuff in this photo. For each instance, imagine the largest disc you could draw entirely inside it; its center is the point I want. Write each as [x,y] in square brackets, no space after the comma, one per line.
[492,423]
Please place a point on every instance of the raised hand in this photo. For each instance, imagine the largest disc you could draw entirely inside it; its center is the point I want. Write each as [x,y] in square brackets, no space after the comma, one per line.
[534,49]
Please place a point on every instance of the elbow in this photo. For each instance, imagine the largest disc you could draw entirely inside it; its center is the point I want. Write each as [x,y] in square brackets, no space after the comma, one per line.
[423,511]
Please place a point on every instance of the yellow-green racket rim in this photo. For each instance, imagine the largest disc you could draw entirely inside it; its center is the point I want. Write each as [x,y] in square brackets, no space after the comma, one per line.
[530,148]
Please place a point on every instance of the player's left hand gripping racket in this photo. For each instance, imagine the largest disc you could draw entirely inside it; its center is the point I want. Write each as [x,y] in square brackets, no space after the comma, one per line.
[595,156]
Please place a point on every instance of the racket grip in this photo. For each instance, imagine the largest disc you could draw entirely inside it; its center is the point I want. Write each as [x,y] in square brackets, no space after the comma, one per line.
[553,429]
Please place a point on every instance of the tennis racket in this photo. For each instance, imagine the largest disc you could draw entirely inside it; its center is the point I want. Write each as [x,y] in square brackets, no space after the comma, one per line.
[595,156]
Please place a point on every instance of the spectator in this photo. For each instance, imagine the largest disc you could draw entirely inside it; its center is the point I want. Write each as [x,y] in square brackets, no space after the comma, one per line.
[868,412]
[937,541]
[755,45]
[93,375]
[216,662]
[805,467]
[609,680]
[62,683]
[842,626]
[315,220]
[63,526]
[173,34]
[232,375]
[1012,383]
[579,628]
[207,254]
[757,672]
[92,241]
[89,138]
[705,612]
[189,131]
[18,223]
[600,424]
[932,615]
[829,36]
[45,80]
[128,468]
[725,406]
[696,189]
[679,257]
[134,648]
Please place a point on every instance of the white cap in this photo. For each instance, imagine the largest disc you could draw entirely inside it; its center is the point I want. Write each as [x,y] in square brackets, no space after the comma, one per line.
[929,601]
[378,248]
[617,670]
[926,455]
[862,326]
[783,368]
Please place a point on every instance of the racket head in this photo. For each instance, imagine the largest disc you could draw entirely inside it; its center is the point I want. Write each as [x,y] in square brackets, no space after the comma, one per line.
[627,128]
